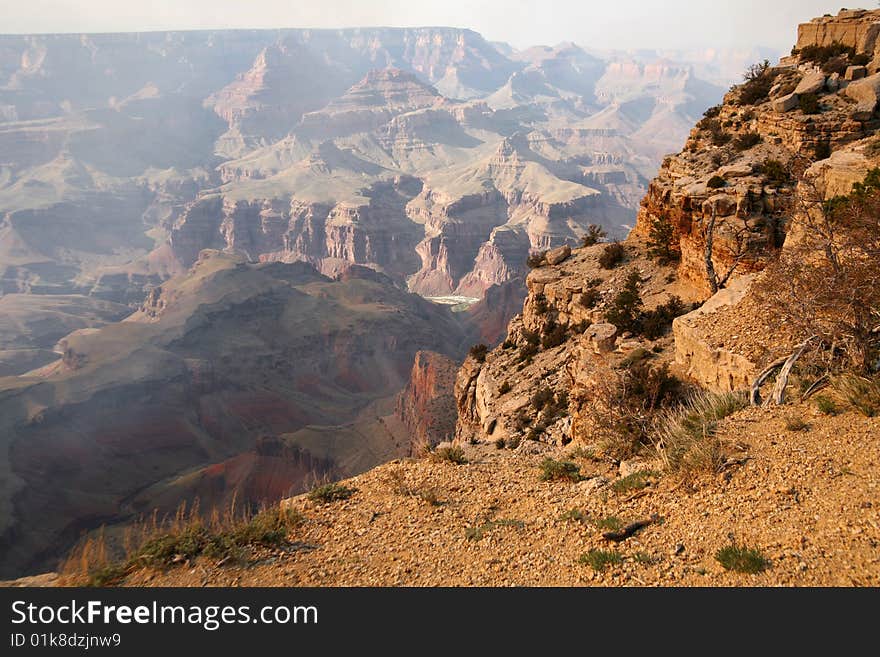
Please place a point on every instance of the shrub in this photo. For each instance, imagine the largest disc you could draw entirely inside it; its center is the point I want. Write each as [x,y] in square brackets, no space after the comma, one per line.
[594,235]
[795,423]
[835,65]
[634,482]
[552,470]
[662,245]
[716,182]
[775,172]
[822,54]
[742,560]
[554,337]
[809,104]
[624,309]
[654,323]
[598,560]
[746,141]
[685,437]
[824,286]
[862,59]
[591,298]
[609,524]
[759,79]
[505,388]
[861,393]
[826,405]
[327,493]
[537,260]
[574,515]
[179,539]
[612,256]
[479,532]
[454,455]
[500,443]
[720,137]
[712,112]
[541,305]
[479,352]
[823,150]
[542,398]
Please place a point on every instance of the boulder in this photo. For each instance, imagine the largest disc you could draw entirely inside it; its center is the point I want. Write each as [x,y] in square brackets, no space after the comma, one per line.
[558,256]
[865,92]
[833,83]
[812,83]
[785,104]
[735,171]
[602,337]
[855,73]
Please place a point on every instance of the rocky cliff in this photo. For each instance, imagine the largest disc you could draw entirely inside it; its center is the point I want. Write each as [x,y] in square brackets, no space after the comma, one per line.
[808,121]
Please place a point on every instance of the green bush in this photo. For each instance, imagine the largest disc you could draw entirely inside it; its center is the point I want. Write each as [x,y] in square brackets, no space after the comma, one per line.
[775,172]
[598,560]
[594,235]
[624,310]
[552,470]
[591,298]
[742,560]
[454,455]
[662,245]
[327,493]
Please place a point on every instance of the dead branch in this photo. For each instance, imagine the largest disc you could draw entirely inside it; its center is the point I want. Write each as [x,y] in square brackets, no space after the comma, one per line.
[755,395]
[630,530]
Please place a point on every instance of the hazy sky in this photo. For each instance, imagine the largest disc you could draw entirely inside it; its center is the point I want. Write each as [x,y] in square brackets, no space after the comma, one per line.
[592,23]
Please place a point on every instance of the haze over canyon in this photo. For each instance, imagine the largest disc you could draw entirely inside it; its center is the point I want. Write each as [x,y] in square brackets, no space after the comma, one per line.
[218,250]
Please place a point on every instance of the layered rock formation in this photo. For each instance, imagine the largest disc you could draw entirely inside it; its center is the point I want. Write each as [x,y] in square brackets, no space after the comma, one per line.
[221,357]
[560,374]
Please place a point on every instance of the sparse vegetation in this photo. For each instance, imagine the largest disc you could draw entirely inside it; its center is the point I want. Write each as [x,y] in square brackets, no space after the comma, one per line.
[477,533]
[574,515]
[758,80]
[593,236]
[826,405]
[591,298]
[634,482]
[824,286]
[716,182]
[775,172]
[162,544]
[552,470]
[454,455]
[612,256]
[809,104]
[685,437]
[500,443]
[505,388]
[327,493]
[598,560]
[625,309]
[795,423]
[479,352]
[746,141]
[859,392]
[742,560]
[609,524]
[555,336]
[537,260]
[822,54]
[662,243]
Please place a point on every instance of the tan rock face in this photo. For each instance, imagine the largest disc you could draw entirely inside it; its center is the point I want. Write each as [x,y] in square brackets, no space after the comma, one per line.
[858,29]
[720,370]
